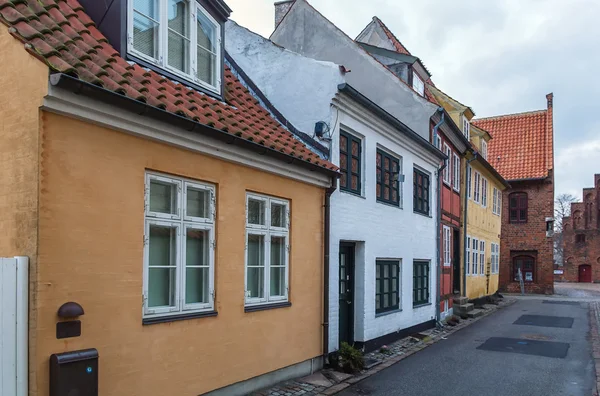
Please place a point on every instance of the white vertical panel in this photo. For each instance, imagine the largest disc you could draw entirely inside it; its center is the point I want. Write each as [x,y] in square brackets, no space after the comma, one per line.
[22,326]
[8,328]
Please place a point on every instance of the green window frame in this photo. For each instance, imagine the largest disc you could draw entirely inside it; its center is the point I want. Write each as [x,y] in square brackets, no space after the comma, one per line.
[421,192]
[387,286]
[350,163]
[388,186]
[420,283]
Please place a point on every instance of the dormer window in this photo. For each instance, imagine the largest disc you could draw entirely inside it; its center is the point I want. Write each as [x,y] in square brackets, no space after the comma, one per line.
[484,149]
[466,128]
[178,36]
[418,84]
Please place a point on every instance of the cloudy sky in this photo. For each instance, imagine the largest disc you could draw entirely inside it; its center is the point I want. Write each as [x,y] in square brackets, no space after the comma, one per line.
[499,57]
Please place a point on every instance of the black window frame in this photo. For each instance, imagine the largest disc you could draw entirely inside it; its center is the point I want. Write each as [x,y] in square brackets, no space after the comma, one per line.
[421,204]
[347,172]
[424,285]
[380,279]
[580,238]
[518,213]
[380,178]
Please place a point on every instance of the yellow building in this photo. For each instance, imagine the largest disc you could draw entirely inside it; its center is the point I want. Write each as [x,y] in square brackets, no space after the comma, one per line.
[187,223]
[481,202]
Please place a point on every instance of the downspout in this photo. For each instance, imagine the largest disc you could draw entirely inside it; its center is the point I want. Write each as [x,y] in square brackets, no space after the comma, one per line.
[438,315]
[326,250]
[469,186]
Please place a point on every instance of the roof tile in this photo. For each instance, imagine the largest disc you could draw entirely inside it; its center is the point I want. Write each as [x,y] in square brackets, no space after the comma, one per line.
[65,38]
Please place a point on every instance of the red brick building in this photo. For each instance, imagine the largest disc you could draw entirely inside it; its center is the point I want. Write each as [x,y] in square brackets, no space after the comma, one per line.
[522,150]
[581,238]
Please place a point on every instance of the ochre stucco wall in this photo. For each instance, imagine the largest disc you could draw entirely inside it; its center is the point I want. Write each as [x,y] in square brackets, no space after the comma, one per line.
[486,226]
[91,228]
[23,84]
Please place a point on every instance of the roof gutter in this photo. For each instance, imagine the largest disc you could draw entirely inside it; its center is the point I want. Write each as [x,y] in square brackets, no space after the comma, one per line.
[80,87]
[527,180]
[385,116]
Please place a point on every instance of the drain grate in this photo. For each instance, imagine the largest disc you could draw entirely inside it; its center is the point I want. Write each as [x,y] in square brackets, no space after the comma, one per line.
[562,322]
[526,347]
[575,303]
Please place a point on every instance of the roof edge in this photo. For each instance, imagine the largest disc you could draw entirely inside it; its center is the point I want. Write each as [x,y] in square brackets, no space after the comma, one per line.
[492,170]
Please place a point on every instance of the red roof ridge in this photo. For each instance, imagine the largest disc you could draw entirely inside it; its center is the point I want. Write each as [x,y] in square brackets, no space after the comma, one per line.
[392,37]
[521,114]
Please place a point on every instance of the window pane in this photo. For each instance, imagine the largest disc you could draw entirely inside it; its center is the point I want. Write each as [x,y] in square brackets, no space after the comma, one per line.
[197,247]
[277,250]
[206,33]
[277,281]
[278,215]
[256,278]
[179,17]
[179,35]
[198,203]
[256,250]
[145,35]
[256,212]
[197,285]
[147,7]
[163,197]
[179,49]
[161,287]
[163,246]
[206,66]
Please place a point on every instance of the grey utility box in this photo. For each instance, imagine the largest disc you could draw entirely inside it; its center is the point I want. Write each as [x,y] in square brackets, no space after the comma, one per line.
[74,373]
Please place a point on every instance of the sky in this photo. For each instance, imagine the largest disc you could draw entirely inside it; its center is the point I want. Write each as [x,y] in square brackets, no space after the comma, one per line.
[499,57]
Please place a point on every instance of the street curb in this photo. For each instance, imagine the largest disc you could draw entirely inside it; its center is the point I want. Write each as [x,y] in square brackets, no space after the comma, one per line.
[419,347]
[594,309]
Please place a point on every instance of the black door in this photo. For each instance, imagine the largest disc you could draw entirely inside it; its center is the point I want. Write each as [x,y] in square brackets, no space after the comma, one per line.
[346,293]
[456,262]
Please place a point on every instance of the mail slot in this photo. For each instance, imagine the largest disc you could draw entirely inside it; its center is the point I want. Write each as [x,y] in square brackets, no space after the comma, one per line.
[74,373]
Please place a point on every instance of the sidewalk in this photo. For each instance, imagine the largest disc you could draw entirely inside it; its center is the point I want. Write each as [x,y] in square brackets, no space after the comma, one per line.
[329,382]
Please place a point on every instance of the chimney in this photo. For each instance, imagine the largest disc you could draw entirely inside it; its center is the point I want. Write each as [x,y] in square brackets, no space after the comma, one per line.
[281,10]
[550,98]
[550,132]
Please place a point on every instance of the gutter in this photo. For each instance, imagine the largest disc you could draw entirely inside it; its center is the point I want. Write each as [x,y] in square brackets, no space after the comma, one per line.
[80,87]
[438,221]
[468,180]
[387,117]
[326,262]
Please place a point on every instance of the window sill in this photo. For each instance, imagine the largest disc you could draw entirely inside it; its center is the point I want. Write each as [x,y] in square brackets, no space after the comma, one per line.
[422,305]
[357,195]
[265,307]
[395,311]
[389,204]
[422,214]
[176,318]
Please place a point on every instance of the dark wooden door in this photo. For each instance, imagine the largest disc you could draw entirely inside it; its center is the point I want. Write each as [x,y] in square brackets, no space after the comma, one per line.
[456,262]
[585,273]
[346,299]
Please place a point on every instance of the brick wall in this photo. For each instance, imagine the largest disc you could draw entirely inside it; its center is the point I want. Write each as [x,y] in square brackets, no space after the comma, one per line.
[528,238]
[585,221]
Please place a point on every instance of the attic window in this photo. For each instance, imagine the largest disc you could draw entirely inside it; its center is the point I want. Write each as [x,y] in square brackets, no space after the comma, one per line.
[484,149]
[466,128]
[178,36]
[418,84]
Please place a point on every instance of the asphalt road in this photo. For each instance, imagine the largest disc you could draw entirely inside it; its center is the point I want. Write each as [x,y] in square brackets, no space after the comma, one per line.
[456,367]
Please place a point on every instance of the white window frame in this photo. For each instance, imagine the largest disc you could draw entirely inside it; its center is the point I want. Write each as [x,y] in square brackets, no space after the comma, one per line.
[439,141]
[469,181]
[163,40]
[466,128]
[267,231]
[484,149]
[447,246]
[456,169]
[495,203]
[448,168]
[482,258]
[468,255]
[182,223]
[484,192]
[420,86]
[475,258]
[476,188]
[495,258]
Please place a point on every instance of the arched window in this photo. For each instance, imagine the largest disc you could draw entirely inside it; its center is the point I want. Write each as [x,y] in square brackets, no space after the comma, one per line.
[518,207]
[527,266]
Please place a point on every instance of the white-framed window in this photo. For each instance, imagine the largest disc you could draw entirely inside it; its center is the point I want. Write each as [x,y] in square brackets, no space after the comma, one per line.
[179,36]
[456,169]
[267,249]
[497,201]
[418,84]
[468,256]
[475,258]
[438,142]
[447,246]
[477,188]
[484,192]
[469,180]
[448,168]
[179,243]
[484,149]
[482,257]
[466,128]
[495,258]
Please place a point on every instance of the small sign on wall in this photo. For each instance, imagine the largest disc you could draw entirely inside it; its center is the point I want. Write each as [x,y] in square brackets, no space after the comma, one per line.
[559,272]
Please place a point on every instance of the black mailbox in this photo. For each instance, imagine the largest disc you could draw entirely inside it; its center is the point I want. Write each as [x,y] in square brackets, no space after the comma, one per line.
[74,373]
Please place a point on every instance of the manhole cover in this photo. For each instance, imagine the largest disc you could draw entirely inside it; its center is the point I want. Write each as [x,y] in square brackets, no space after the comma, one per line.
[538,337]
[526,347]
[575,303]
[545,321]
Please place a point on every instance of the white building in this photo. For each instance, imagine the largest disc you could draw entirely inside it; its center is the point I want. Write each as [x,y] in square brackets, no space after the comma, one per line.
[383,216]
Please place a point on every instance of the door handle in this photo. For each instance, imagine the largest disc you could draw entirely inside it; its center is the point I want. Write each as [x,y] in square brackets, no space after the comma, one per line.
[348,302]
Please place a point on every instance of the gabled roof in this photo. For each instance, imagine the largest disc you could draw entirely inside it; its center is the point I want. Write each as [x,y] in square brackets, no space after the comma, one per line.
[62,35]
[455,103]
[521,147]
[393,39]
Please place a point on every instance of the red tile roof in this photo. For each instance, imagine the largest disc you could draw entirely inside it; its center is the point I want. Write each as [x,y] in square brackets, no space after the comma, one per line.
[521,145]
[394,40]
[63,36]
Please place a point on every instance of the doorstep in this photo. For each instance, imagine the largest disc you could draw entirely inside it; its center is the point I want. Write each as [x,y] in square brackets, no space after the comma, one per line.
[329,382]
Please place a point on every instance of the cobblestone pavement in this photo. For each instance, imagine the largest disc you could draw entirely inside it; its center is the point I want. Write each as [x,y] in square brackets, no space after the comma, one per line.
[329,382]
[578,290]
